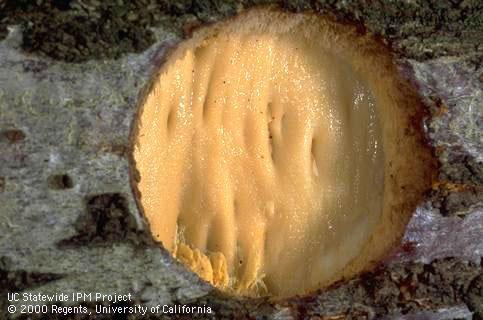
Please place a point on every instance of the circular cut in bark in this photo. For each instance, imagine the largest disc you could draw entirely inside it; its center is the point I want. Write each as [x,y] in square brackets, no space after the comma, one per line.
[278,153]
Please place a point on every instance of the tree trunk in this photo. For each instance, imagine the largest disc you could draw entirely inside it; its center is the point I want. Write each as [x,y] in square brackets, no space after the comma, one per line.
[71,75]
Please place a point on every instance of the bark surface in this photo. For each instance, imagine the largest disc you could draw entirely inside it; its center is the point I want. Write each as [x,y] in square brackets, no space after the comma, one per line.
[71,74]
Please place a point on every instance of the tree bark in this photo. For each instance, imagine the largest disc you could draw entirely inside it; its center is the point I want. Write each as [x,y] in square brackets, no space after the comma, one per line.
[68,218]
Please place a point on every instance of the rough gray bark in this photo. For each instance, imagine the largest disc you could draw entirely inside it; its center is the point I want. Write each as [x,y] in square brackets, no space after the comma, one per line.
[69,223]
